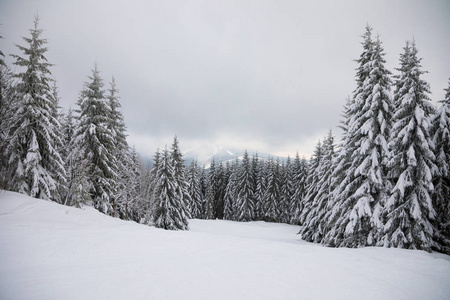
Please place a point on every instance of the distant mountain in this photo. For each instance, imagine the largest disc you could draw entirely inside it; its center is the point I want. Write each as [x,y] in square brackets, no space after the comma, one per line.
[205,154]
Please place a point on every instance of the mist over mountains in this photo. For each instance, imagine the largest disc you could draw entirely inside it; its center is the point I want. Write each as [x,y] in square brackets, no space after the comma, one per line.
[206,153]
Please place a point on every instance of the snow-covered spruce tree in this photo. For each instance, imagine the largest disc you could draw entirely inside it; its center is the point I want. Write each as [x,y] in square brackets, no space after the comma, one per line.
[8,105]
[359,205]
[409,210]
[58,113]
[229,211]
[150,184]
[211,192]
[261,188]
[134,202]
[312,181]
[116,120]
[122,154]
[284,190]
[169,210]
[95,144]
[203,184]
[71,190]
[441,195]
[271,207]
[255,177]
[313,227]
[195,190]
[36,166]
[299,175]
[221,186]
[244,191]
[341,164]
[180,175]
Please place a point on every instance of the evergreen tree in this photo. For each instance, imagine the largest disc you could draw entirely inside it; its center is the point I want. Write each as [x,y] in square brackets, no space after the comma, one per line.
[211,192]
[130,208]
[76,192]
[312,181]
[313,227]
[244,191]
[441,195]
[9,101]
[287,190]
[195,190]
[299,176]
[116,121]
[203,184]
[169,207]
[255,177]
[364,190]
[121,153]
[36,167]
[271,208]
[230,197]
[95,144]
[221,185]
[180,175]
[150,184]
[261,188]
[409,210]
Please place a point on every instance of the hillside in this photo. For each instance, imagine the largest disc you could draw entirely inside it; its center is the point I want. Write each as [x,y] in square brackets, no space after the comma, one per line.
[49,251]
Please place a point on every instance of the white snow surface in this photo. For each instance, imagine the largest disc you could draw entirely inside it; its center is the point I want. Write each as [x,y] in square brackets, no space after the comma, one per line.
[50,251]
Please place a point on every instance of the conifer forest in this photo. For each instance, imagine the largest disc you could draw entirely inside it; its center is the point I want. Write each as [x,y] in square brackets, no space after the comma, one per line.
[384,182]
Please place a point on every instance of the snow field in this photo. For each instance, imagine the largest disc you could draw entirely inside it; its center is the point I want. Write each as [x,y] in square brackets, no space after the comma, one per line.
[50,251]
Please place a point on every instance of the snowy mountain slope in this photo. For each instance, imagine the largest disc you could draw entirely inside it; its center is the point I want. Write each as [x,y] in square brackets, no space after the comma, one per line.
[205,153]
[49,251]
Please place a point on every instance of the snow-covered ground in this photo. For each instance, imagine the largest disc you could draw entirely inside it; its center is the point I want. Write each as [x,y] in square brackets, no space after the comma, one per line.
[50,251]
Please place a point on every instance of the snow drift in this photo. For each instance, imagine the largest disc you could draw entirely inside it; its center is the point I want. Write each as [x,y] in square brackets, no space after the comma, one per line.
[50,251]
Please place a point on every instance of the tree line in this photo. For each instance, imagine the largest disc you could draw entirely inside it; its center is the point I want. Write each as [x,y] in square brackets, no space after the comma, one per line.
[385,183]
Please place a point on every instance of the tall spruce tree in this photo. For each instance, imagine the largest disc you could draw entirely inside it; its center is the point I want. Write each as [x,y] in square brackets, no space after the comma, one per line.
[150,184]
[287,190]
[169,210]
[221,186]
[312,181]
[271,208]
[121,153]
[35,165]
[441,194]
[195,190]
[300,174]
[364,190]
[409,210]
[9,100]
[132,203]
[179,169]
[255,177]
[314,223]
[261,188]
[244,191]
[95,144]
[74,194]
[212,192]
[230,197]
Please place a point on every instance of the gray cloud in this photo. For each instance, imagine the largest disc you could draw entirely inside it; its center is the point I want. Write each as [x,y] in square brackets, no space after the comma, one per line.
[271,74]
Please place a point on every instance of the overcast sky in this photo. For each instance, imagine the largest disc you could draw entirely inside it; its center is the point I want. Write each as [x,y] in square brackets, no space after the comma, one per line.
[270,76]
